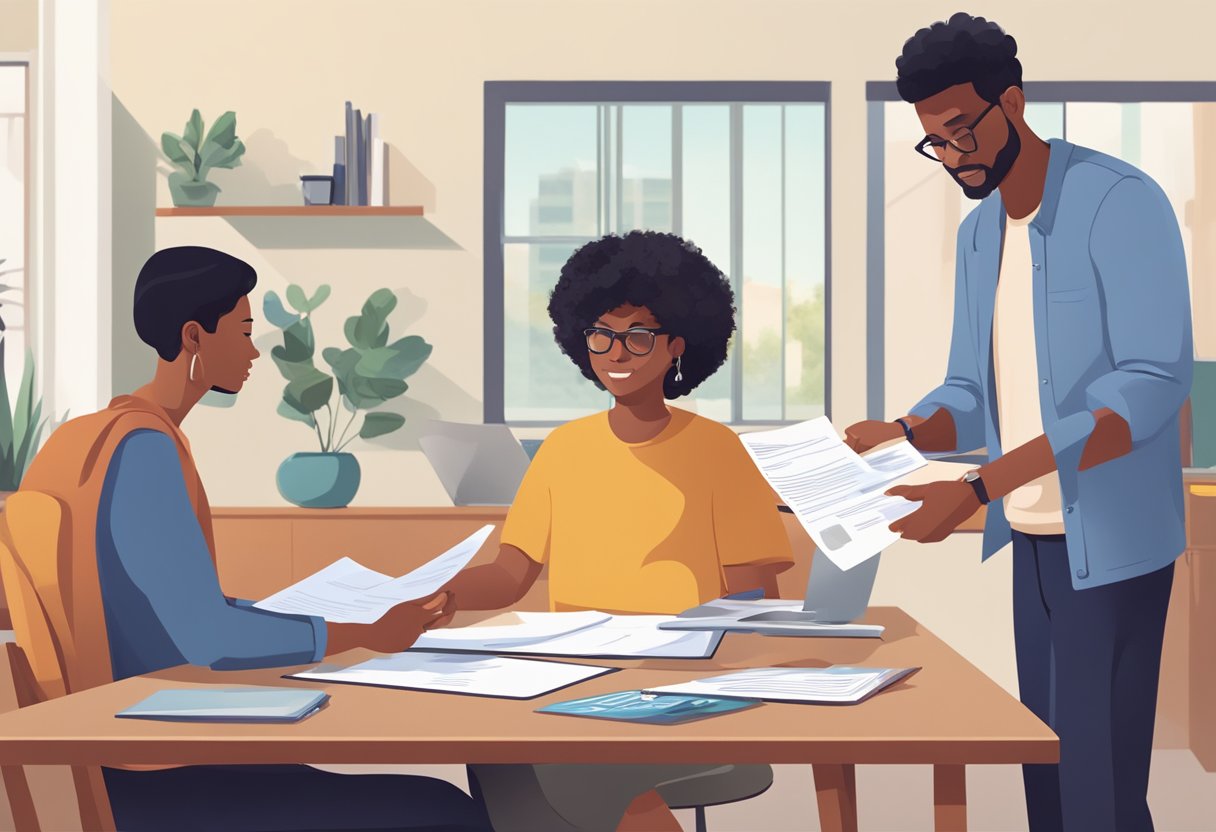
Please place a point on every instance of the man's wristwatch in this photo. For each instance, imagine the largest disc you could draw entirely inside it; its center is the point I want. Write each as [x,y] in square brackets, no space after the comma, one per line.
[974,479]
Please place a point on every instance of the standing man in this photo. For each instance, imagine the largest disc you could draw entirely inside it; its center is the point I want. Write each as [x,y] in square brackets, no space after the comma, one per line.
[1070,360]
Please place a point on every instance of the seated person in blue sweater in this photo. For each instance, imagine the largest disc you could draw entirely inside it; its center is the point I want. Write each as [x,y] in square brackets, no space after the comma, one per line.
[160,594]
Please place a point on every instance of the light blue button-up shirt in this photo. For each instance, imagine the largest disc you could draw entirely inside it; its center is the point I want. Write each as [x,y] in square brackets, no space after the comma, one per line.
[159,589]
[1112,329]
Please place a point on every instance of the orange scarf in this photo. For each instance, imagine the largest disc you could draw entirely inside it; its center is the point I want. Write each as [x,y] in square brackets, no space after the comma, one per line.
[60,620]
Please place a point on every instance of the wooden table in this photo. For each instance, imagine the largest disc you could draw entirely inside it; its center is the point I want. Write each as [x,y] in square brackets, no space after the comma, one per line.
[948,715]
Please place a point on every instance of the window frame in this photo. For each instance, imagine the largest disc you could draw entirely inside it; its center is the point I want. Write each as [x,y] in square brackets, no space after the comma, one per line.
[878,94]
[30,330]
[500,94]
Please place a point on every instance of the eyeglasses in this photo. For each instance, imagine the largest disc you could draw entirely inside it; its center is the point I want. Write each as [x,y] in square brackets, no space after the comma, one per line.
[638,340]
[963,142]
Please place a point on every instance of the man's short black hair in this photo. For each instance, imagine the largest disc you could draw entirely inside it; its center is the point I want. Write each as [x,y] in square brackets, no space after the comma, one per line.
[963,50]
[688,295]
[183,284]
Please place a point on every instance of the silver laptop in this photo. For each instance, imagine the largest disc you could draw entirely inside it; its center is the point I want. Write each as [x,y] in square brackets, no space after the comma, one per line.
[479,465]
[835,598]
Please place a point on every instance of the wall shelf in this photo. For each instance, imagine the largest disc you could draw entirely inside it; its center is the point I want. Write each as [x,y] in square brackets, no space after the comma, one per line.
[295,211]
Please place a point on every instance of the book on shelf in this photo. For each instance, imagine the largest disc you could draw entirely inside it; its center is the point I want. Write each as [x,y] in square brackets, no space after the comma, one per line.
[339,191]
[375,161]
[352,168]
[361,159]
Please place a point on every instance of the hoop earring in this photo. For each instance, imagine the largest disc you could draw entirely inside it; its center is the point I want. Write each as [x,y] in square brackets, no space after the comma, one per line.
[679,372]
[193,361]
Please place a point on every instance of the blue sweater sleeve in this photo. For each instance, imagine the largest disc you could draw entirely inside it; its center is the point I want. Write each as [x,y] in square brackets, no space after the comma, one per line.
[163,552]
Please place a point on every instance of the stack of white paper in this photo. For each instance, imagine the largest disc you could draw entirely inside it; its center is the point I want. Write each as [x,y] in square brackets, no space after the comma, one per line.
[614,636]
[519,629]
[346,592]
[452,673]
[836,684]
[837,496]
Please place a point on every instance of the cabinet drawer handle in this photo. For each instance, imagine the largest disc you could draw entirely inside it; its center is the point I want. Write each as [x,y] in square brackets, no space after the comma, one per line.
[1204,490]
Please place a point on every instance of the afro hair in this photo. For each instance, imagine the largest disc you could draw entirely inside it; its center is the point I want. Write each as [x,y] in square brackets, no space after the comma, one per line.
[963,50]
[688,295]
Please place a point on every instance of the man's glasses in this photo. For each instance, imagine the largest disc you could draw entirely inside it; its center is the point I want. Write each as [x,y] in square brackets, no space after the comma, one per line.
[638,340]
[964,141]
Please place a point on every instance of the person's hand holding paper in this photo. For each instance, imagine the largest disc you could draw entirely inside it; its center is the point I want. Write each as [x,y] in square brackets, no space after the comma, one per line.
[397,629]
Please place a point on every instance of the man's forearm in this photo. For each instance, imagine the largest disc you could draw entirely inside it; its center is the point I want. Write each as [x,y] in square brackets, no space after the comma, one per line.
[936,434]
[1111,439]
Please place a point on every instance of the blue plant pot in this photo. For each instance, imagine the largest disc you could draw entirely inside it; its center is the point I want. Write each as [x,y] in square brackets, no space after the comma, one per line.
[319,480]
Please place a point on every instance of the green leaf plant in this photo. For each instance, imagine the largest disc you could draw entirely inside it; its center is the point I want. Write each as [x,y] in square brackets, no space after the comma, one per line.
[368,373]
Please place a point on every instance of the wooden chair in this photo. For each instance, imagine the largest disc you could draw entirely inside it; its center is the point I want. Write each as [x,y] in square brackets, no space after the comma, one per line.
[35,524]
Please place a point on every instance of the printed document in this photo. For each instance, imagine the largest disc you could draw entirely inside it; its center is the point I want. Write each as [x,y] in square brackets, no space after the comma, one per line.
[612,636]
[347,592]
[832,685]
[474,675]
[837,496]
[513,629]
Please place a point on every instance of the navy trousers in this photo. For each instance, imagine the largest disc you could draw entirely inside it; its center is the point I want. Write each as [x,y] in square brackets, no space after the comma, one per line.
[1088,666]
[282,798]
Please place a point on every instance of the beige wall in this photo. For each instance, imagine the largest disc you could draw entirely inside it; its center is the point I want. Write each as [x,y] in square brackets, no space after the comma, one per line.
[18,25]
[286,68]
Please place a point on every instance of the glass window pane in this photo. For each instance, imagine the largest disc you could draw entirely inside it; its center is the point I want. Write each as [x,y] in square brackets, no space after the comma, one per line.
[805,228]
[1046,119]
[761,301]
[1193,194]
[541,384]
[13,228]
[1097,125]
[646,172]
[706,209]
[551,174]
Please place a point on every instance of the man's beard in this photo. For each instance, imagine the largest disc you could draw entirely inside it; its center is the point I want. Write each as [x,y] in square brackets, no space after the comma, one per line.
[995,175]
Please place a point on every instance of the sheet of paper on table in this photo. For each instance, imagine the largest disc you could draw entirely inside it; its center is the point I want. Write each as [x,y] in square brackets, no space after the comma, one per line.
[470,674]
[346,592]
[612,636]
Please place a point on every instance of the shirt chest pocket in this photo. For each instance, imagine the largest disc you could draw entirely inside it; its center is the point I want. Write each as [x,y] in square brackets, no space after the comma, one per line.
[1078,294]
[1074,333]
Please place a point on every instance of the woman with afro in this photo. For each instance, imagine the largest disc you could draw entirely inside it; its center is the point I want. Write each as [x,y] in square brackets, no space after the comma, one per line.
[644,509]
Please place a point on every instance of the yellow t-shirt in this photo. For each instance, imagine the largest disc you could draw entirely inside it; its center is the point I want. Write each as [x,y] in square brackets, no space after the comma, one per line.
[645,527]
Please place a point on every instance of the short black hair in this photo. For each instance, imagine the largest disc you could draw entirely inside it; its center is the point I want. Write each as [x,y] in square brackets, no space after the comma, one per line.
[688,294]
[183,284]
[962,50]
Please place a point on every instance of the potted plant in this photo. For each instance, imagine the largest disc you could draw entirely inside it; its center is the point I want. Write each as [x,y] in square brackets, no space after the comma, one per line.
[195,156]
[370,372]
[20,425]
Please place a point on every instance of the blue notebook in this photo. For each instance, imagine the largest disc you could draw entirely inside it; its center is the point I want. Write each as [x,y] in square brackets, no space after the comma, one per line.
[228,705]
[635,706]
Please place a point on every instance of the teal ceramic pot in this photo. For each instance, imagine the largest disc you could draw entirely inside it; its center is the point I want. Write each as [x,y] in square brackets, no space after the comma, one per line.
[319,480]
[188,194]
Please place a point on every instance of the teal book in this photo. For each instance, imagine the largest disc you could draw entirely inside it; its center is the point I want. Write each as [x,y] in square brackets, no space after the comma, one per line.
[636,706]
[228,705]
[1203,415]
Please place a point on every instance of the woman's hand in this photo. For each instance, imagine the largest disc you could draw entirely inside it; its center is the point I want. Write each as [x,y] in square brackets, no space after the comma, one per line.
[401,626]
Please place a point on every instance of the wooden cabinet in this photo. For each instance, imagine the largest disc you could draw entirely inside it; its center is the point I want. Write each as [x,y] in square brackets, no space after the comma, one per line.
[1201,537]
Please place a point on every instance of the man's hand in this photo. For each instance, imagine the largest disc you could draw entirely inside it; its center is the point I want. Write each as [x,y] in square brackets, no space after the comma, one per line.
[944,506]
[871,433]
[1111,439]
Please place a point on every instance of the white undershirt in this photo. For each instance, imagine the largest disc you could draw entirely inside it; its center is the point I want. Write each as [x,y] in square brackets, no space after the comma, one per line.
[1034,508]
